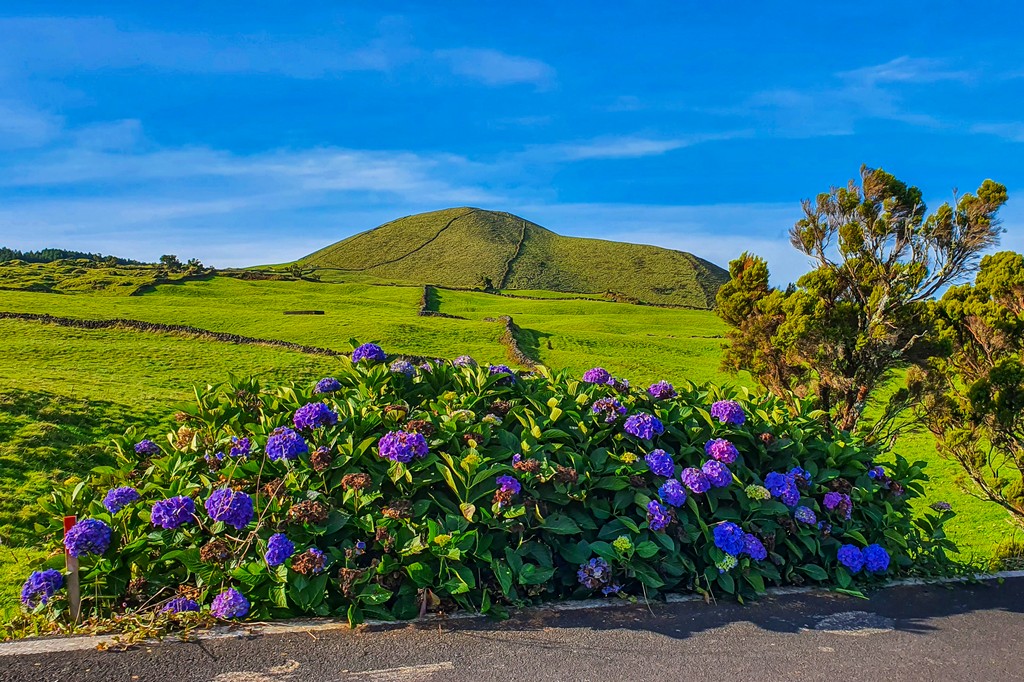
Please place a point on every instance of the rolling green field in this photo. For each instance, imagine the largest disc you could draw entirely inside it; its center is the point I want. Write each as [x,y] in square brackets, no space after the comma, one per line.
[63,391]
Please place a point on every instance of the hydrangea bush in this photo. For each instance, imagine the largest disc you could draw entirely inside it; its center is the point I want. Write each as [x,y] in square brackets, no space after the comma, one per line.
[379,493]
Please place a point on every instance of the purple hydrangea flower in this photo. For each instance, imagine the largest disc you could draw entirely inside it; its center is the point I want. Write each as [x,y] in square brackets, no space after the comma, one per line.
[508,483]
[805,515]
[402,446]
[313,416]
[839,503]
[327,385]
[507,375]
[180,605]
[232,507]
[230,604]
[279,549]
[464,361]
[318,559]
[754,548]
[851,557]
[658,517]
[672,493]
[728,412]
[147,447]
[117,499]
[729,538]
[609,407]
[644,426]
[597,375]
[660,463]
[876,473]
[595,573]
[403,367]
[88,536]
[800,475]
[876,559]
[284,443]
[40,587]
[610,589]
[695,480]
[783,486]
[620,385]
[240,447]
[721,450]
[662,390]
[173,512]
[717,473]
[368,351]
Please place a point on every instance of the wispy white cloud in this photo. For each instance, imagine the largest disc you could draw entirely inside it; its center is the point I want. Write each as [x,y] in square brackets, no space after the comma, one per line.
[22,126]
[1013,131]
[627,146]
[492,67]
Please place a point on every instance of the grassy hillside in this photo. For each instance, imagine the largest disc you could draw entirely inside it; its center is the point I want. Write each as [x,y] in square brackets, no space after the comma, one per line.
[468,247]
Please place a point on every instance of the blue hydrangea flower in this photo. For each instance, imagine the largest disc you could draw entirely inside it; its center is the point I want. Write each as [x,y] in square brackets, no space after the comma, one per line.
[661,390]
[695,480]
[594,574]
[754,548]
[800,475]
[402,446]
[232,507]
[876,473]
[284,443]
[88,536]
[117,499]
[660,463]
[805,515]
[672,493]
[876,559]
[40,587]
[279,549]
[368,351]
[597,375]
[240,447]
[403,367]
[783,486]
[313,416]
[180,605]
[717,473]
[173,512]
[721,450]
[508,483]
[729,538]
[230,604]
[852,557]
[644,426]
[609,407]
[327,385]
[147,448]
[658,517]
[728,412]
[464,361]
[610,589]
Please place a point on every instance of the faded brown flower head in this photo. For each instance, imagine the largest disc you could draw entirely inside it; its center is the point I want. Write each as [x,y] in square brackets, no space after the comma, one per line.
[183,439]
[356,482]
[182,417]
[384,537]
[421,426]
[396,411]
[347,578]
[841,485]
[566,474]
[501,408]
[135,593]
[767,438]
[466,437]
[309,511]
[215,552]
[637,481]
[402,509]
[274,489]
[530,466]
[189,592]
[321,459]
[503,497]
[308,563]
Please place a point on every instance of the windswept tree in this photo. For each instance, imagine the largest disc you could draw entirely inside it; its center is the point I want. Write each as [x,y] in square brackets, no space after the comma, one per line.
[863,312]
[975,405]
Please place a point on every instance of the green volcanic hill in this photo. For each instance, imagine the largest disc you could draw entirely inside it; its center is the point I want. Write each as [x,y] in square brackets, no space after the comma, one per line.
[472,247]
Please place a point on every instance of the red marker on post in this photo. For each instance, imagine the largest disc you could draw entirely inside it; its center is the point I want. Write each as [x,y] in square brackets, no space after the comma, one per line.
[74,589]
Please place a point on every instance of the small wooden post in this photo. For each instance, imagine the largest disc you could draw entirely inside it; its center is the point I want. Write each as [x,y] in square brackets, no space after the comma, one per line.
[74,587]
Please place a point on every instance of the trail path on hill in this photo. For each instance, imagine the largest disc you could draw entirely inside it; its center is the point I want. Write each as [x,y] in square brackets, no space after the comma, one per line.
[962,632]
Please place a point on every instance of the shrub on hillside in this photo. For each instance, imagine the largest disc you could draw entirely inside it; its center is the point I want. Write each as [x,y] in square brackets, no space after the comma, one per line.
[476,488]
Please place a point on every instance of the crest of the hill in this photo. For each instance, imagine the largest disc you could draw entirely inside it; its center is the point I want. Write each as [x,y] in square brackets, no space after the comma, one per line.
[472,247]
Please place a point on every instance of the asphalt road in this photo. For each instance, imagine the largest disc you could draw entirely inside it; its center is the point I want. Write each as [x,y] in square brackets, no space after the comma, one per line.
[963,632]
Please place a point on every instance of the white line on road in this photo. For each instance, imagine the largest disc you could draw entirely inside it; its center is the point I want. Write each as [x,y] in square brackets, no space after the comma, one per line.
[409,673]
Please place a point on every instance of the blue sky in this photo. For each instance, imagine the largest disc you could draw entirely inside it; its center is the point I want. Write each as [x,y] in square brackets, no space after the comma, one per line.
[258,132]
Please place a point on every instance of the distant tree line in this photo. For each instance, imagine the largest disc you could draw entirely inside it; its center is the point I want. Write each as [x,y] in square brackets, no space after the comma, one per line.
[51,255]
